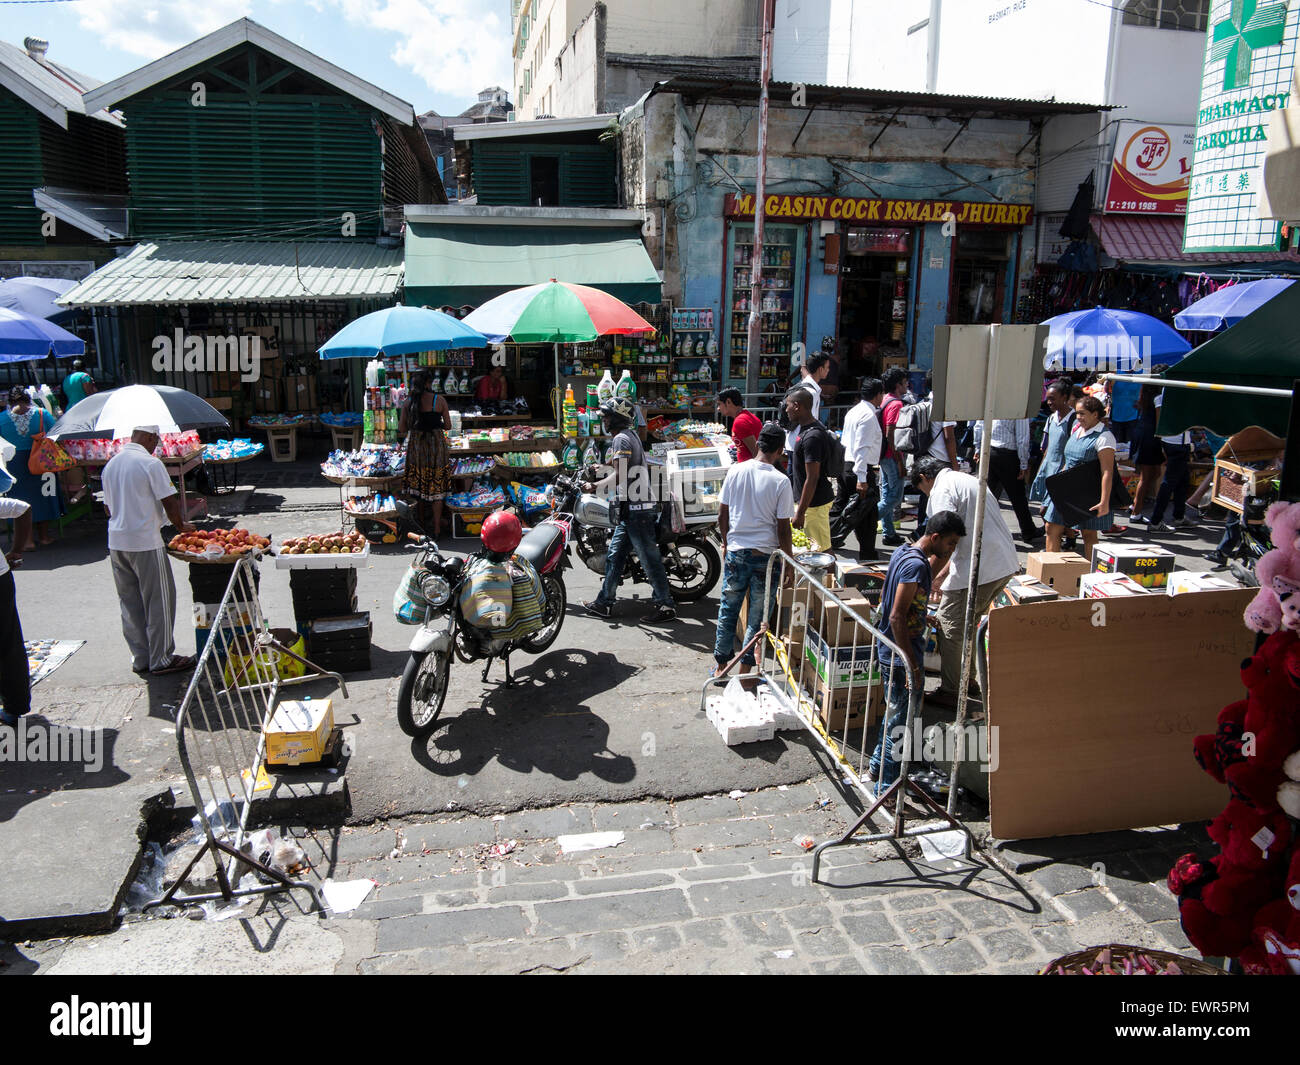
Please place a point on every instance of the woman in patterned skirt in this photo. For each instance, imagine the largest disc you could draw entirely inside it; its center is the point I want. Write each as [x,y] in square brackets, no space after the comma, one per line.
[1090,441]
[428,472]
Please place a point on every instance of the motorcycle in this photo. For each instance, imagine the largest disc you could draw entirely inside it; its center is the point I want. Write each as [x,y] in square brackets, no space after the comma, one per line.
[444,633]
[690,558]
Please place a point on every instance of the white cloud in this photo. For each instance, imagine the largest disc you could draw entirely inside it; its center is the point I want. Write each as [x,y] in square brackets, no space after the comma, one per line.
[153,29]
[453,46]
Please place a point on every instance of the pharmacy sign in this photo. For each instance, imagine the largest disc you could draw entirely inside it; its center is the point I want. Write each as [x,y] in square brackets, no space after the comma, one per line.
[1250,54]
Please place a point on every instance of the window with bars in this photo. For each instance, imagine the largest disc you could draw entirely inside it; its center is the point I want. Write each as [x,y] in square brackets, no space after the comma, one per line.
[1168,14]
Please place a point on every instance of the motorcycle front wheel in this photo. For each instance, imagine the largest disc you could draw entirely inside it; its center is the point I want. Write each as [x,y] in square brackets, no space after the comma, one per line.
[422,692]
[557,600]
[693,568]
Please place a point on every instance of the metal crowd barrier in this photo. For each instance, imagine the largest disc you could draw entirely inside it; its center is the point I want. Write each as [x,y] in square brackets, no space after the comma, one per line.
[800,612]
[220,736]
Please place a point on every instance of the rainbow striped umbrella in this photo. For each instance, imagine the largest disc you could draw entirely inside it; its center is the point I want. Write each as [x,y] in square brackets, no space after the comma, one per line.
[555,312]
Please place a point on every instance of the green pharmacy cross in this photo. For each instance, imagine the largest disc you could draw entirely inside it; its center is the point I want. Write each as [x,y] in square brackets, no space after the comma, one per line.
[1235,39]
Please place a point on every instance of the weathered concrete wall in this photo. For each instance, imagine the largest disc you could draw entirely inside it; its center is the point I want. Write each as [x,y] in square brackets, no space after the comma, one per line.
[698,167]
[577,75]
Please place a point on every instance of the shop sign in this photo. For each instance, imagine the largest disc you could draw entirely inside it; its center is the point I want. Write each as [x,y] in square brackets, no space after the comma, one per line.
[788,208]
[1250,54]
[1150,169]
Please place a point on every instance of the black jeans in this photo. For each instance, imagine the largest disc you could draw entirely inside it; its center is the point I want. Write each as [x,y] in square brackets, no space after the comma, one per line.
[15,685]
[868,516]
[1176,484]
[1004,473]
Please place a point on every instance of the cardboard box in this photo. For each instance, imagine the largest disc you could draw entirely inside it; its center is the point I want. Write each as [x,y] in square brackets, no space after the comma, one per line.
[1026,589]
[299,394]
[1059,570]
[1147,564]
[838,666]
[299,731]
[868,578]
[1181,581]
[266,396]
[863,706]
[1108,586]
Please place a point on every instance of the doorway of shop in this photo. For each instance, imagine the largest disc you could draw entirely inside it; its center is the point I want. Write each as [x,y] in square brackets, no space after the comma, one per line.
[979,277]
[873,291]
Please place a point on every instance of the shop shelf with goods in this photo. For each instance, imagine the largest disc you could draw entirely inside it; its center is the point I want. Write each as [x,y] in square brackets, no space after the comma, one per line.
[781,300]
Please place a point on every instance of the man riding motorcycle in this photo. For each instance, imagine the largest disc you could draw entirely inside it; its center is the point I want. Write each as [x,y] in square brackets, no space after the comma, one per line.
[628,485]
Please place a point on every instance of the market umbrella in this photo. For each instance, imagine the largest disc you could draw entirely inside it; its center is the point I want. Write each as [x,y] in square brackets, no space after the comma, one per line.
[35,295]
[117,412]
[24,338]
[1112,340]
[556,312]
[1230,304]
[400,331]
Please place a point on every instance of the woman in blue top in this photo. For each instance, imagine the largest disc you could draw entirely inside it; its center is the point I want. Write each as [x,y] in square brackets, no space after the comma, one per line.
[18,425]
[1090,441]
[1060,401]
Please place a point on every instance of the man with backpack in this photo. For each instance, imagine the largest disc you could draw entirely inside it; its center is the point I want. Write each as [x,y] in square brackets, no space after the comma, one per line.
[812,465]
[891,472]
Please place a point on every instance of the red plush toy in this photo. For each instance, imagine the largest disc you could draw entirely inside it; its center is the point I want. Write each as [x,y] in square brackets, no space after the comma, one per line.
[1217,914]
[1256,734]
[1251,839]
[1276,937]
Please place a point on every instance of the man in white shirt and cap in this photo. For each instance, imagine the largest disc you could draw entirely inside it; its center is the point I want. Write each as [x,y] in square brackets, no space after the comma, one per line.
[951,490]
[15,683]
[140,498]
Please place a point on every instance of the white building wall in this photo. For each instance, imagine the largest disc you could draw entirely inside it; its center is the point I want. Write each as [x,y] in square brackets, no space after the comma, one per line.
[1157,75]
[851,43]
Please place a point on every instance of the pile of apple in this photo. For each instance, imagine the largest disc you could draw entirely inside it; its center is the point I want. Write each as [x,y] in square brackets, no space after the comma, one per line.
[230,541]
[352,543]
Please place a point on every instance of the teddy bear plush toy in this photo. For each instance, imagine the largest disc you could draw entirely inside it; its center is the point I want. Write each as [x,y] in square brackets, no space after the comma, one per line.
[1256,735]
[1277,604]
[1275,938]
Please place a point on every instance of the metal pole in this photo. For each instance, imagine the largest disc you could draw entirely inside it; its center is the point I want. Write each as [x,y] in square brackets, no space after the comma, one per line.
[1202,386]
[754,338]
[972,582]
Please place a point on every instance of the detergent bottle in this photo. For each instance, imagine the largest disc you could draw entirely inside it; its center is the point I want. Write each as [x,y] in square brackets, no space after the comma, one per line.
[606,389]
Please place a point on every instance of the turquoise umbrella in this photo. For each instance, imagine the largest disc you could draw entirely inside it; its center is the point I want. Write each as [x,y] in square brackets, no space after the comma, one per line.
[400,331]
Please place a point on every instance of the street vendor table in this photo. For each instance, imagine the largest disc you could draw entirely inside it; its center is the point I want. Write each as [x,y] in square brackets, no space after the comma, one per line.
[390,484]
[282,440]
[177,467]
[500,447]
[222,475]
[345,437]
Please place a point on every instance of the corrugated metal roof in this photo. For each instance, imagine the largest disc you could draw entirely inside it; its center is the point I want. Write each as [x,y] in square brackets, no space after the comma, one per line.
[52,89]
[241,272]
[1160,240]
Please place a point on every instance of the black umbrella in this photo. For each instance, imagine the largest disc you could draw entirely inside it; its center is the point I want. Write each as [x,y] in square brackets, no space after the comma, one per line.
[119,411]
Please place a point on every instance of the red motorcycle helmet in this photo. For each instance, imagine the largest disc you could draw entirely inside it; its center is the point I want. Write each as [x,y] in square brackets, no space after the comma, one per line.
[501,532]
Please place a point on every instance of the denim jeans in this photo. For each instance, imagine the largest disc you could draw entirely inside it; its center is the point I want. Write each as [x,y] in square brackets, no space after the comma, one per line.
[743,573]
[635,533]
[891,494]
[884,762]
[1231,534]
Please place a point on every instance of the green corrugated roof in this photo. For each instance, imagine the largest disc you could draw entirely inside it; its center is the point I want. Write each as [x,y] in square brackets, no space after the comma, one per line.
[241,272]
[450,265]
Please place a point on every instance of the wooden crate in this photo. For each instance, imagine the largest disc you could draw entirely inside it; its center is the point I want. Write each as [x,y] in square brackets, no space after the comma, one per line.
[1233,481]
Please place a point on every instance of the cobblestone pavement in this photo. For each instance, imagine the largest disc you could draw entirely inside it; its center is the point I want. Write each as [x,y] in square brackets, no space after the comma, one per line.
[709,885]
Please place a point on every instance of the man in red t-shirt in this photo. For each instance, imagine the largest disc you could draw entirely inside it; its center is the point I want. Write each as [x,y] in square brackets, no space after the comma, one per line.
[745,427]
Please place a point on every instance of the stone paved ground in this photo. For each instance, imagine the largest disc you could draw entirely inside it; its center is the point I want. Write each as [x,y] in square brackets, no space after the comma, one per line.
[710,885]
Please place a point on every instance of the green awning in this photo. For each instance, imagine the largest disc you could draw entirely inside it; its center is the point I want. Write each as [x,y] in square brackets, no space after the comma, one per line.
[449,264]
[1259,351]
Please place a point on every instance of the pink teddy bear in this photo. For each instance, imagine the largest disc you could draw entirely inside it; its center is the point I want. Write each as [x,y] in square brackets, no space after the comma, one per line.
[1277,605]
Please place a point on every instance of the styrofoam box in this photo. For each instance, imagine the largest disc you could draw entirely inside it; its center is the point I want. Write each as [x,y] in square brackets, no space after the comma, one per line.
[1186,581]
[322,561]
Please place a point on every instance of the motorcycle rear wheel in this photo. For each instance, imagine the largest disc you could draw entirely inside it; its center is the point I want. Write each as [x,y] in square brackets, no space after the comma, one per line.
[557,600]
[422,692]
[696,574]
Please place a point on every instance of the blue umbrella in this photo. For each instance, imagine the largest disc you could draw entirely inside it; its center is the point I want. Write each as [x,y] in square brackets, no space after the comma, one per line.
[400,331]
[1230,304]
[26,339]
[1112,341]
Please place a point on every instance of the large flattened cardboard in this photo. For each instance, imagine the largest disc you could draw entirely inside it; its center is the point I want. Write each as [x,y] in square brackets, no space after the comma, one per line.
[1095,723]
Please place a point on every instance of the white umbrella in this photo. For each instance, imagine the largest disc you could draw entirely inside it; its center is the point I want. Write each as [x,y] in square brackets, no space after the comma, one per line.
[35,295]
[119,412]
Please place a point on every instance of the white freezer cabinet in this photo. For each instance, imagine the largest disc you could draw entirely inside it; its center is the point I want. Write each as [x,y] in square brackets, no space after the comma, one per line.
[695,476]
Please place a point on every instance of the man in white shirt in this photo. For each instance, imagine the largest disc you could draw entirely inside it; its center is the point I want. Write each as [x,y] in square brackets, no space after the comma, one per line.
[140,498]
[757,505]
[950,490]
[1009,469]
[863,439]
[15,682]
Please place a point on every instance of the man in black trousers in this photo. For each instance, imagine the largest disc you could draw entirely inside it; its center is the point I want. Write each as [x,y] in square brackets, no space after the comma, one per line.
[15,683]
[1009,470]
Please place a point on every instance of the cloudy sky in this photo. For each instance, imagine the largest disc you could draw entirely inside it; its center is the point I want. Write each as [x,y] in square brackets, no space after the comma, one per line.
[434,53]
